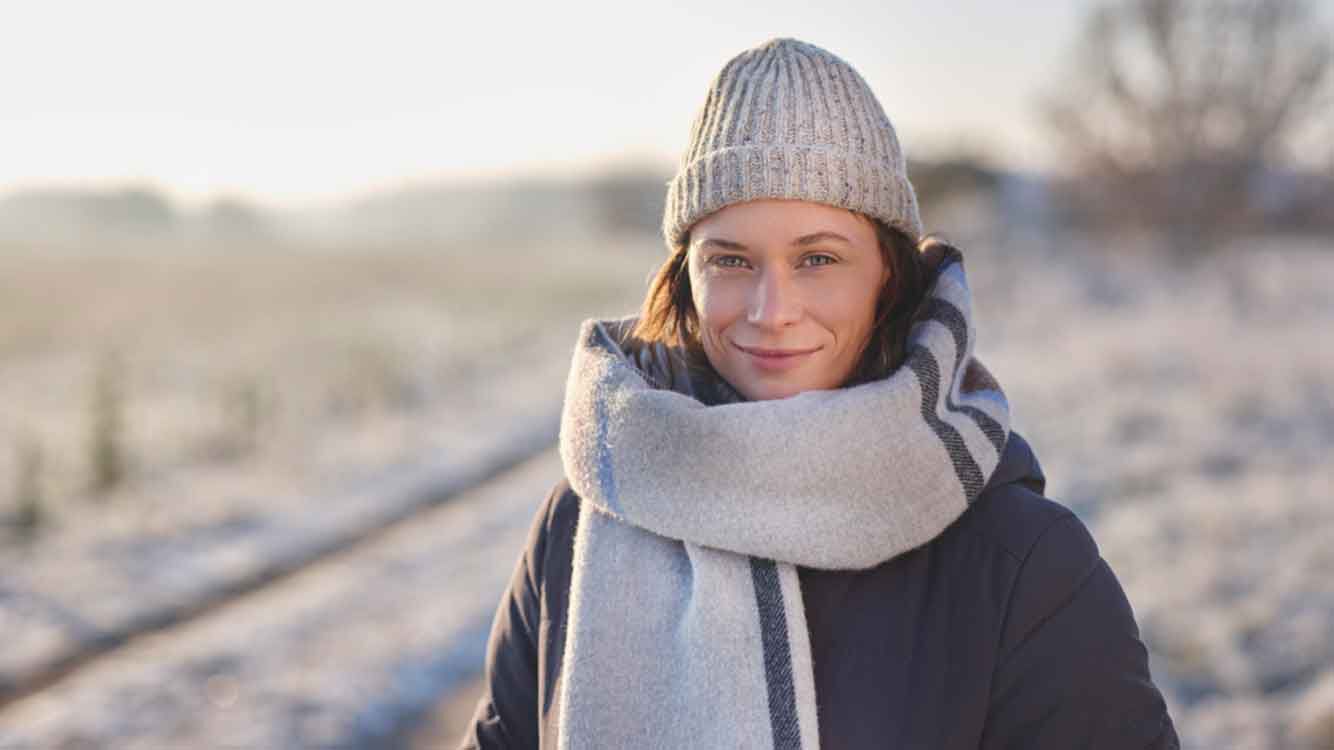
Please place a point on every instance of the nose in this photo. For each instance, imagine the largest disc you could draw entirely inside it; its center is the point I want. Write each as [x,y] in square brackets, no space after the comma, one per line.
[774,301]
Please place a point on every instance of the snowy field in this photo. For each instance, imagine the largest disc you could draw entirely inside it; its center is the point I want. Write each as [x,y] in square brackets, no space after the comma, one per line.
[1188,418]
[366,385]
[269,403]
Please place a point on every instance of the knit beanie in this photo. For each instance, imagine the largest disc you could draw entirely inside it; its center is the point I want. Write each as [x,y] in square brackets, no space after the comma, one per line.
[788,119]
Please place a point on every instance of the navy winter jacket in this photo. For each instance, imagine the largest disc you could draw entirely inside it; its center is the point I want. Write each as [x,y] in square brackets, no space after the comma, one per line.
[1008,630]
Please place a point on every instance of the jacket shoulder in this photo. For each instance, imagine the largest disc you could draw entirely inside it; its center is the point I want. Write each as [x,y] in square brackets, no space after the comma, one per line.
[1052,553]
[1012,513]
[551,538]
[1051,550]
[1016,518]
[519,659]
[1071,670]
[560,510]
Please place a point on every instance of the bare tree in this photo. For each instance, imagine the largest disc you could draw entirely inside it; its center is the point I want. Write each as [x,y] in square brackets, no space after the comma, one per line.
[1172,109]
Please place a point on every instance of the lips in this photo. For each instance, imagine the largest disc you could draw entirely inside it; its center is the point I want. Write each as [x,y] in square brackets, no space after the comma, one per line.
[776,353]
[776,360]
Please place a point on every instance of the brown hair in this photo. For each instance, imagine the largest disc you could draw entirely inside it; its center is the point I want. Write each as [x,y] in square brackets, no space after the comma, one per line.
[668,312]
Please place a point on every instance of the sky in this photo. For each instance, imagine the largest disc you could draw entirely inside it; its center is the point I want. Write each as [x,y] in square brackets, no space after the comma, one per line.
[293,103]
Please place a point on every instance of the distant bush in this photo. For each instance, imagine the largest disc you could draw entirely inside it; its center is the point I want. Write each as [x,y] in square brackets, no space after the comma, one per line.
[935,180]
[106,435]
[629,199]
[29,499]
[1175,114]
[245,407]
[233,220]
[81,216]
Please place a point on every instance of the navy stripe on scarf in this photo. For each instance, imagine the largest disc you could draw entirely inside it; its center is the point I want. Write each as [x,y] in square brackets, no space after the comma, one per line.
[777,655]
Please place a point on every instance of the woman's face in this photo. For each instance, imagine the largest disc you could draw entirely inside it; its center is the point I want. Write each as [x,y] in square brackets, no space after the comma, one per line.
[785,292]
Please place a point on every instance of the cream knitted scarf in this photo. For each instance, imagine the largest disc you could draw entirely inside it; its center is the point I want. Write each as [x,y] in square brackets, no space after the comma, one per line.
[686,626]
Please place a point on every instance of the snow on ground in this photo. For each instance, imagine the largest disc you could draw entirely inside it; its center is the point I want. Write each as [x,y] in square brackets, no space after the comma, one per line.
[343,655]
[1186,415]
[461,373]
[92,579]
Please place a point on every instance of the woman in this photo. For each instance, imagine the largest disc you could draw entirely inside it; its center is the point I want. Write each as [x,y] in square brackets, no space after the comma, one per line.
[794,514]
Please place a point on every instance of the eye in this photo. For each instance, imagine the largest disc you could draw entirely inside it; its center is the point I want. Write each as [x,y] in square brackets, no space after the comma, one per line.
[726,261]
[824,259]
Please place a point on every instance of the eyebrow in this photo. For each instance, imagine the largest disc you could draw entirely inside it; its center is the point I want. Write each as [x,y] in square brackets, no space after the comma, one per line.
[802,241]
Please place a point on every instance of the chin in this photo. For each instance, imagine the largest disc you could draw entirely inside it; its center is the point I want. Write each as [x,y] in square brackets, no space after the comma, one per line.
[771,391]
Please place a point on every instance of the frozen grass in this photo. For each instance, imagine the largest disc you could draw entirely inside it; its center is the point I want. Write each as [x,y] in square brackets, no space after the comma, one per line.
[146,368]
[1185,414]
[250,418]
[344,655]
[1188,416]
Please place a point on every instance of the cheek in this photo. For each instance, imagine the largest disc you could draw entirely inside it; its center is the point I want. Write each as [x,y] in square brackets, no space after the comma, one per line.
[717,305]
[850,307]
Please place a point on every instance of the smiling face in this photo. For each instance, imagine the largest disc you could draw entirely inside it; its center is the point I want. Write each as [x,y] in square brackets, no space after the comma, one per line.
[785,293]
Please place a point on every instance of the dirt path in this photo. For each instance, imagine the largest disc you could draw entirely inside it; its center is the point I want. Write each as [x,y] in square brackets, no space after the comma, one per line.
[354,652]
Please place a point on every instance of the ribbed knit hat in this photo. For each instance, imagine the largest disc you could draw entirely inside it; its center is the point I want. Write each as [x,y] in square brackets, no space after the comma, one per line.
[788,119]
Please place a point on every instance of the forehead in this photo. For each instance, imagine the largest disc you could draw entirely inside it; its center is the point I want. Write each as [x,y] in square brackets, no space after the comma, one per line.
[781,222]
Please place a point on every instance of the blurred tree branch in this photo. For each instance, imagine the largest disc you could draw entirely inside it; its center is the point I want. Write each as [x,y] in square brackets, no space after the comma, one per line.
[1172,110]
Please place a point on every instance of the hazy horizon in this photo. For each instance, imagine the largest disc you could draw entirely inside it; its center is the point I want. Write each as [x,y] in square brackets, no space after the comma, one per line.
[300,104]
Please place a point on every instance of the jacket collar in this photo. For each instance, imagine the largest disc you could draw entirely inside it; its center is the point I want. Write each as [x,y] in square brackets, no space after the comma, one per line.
[1018,465]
